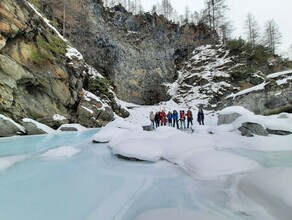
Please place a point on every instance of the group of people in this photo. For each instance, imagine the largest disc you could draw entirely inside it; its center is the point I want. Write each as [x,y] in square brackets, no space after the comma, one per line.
[175,119]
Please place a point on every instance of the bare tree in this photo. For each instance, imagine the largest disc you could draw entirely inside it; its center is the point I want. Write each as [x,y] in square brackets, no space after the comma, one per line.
[154,9]
[166,9]
[252,29]
[215,16]
[272,36]
[187,14]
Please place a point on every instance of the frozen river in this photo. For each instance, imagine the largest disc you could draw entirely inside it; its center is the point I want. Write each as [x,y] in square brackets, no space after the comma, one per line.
[84,181]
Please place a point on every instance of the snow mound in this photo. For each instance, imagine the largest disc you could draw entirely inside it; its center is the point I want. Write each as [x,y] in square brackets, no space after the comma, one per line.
[6,162]
[271,188]
[175,214]
[235,109]
[175,151]
[212,163]
[106,135]
[61,152]
[121,123]
[143,148]
[115,129]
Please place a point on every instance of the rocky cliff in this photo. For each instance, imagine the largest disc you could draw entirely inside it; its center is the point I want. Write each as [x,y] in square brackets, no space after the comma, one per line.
[137,53]
[41,75]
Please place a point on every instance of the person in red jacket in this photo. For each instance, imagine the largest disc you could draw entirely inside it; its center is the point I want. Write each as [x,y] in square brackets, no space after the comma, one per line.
[163,118]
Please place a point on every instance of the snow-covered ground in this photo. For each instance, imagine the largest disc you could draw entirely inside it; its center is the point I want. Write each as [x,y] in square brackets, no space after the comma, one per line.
[208,172]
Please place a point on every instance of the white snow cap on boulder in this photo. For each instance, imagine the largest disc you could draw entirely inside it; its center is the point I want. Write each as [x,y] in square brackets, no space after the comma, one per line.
[34,127]
[235,109]
[115,129]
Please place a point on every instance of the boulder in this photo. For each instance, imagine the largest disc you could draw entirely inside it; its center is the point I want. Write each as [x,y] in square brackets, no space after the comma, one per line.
[93,112]
[227,118]
[33,127]
[249,129]
[9,128]
[71,127]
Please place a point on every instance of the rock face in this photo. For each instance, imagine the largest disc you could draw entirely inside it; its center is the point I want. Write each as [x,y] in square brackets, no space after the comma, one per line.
[138,53]
[40,76]
[271,97]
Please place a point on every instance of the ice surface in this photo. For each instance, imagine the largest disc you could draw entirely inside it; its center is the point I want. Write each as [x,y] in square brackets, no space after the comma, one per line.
[213,163]
[176,214]
[61,152]
[271,188]
[65,176]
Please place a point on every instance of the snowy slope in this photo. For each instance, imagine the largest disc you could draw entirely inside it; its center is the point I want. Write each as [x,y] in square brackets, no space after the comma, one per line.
[209,76]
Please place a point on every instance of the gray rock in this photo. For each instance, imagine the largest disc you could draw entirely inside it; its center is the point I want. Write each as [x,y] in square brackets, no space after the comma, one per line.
[148,127]
[92,113]
[68,129]
[32,129]
[249,129]
[227,118]
[8,128]
[278,132]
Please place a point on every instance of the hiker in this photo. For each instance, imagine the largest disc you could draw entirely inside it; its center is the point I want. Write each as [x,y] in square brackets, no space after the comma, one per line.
[200,118]
[163,118]
[152,117]
[169,119]
[182,118]
[157,119]
[189,118]
[175,119]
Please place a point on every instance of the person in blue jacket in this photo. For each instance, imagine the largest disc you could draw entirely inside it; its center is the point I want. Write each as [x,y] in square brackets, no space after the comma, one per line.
[200,118]
[175,119]
[169,118]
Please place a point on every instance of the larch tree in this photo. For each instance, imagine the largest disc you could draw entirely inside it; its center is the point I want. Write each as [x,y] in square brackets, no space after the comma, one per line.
[166,9]
[272,36]
[252,29]
[187,14]
[215,16]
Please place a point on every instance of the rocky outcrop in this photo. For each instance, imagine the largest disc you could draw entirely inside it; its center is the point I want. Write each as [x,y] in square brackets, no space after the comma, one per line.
[271,97]
[213,73]
[37,80]
[138,53]
[41,75]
